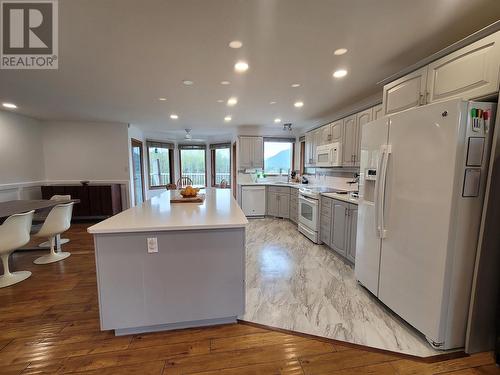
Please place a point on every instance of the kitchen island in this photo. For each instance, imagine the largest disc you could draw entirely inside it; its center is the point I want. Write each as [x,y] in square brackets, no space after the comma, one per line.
[165,265]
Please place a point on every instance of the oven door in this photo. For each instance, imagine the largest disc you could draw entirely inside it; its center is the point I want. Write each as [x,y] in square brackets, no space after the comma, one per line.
[308,212]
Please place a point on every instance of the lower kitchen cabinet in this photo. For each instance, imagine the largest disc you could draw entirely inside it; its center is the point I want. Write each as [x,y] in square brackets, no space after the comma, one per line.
[353,225]
[278,201]
[338,225]
[294,205]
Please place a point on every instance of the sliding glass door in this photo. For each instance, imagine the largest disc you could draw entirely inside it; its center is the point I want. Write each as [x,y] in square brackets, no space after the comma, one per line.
[193,164]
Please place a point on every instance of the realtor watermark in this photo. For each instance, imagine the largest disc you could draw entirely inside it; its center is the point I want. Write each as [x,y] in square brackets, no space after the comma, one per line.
[29,37]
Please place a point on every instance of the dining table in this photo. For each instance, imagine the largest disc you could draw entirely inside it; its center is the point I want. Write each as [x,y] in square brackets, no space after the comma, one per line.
[19,206]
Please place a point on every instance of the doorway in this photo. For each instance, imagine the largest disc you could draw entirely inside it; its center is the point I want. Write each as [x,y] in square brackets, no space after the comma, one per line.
[138,171]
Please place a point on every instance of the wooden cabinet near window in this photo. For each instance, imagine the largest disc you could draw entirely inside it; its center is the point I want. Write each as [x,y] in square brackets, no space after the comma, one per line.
[96,201]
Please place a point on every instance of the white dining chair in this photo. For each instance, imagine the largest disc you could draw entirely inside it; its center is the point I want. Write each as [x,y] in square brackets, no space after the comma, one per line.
[61,241]
[58,221]
[14,233]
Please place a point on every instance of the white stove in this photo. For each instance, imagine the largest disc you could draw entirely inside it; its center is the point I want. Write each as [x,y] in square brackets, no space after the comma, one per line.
[309,210]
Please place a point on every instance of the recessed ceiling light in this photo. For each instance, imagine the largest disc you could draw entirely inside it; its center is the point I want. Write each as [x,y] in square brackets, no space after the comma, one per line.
[272,103]
[340,73]
[340,51]
[298,104]
[277,120]
[225,83]
[173,116]
[232,101]
[187,82]
[9,105]
[241,66]
[228,118]
[295,85]
[220,100]
[235,44]
[162,99]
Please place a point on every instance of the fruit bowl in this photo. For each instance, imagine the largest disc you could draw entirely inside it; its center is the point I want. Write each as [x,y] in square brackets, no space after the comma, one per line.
[189,192]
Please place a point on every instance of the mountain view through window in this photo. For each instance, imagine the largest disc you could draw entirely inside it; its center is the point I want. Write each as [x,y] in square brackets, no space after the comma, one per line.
[277,157]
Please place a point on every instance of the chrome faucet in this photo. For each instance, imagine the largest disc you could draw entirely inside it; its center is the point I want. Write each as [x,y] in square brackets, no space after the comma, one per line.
[355,179]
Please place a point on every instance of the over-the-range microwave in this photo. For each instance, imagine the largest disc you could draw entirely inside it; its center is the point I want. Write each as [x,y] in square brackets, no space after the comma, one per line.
[329,155]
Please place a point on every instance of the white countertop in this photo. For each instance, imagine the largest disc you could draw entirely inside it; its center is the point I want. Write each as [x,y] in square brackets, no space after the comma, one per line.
[294,185]
[219,210]
[341,197]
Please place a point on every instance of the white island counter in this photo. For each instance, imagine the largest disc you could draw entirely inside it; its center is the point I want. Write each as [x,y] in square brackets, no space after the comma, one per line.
[195,275]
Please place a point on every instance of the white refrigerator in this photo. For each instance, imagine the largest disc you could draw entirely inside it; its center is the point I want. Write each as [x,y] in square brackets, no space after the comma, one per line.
[422,181]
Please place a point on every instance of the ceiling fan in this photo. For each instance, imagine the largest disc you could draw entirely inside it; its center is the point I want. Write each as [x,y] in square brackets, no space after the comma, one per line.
[189,137]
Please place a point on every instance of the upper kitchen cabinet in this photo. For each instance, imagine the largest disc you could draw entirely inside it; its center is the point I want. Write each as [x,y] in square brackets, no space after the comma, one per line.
[308,150]
[362,118]
[324,135]
[251,152]
[378,112]
[406,92]
[337,131]
[349,144]
[468,73]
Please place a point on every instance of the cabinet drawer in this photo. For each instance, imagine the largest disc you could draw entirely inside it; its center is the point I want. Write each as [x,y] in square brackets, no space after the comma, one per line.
[294,193]
[325,220]
[279,189]
[326,208]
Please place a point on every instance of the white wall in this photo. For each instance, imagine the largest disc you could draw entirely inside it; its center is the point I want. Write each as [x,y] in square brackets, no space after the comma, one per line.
[21,149]
[86,151]
[21,157]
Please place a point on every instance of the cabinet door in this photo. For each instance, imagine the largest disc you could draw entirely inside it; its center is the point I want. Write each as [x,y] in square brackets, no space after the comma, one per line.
[353,225]
[339,228]
[468,73]
[315,143]
[349,141]
[308,149]
[406,92]
[362,118]
[294,209]
[377,112]
[325,135]
[337,130]
[284,205]
[272,204]
[245,152]
[258,152]
[325,227]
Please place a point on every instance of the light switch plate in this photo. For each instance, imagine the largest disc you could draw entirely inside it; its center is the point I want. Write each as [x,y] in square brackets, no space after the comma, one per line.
[152,245]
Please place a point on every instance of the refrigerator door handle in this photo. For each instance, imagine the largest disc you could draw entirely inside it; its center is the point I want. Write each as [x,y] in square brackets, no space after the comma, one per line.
[381,197]
[377,190]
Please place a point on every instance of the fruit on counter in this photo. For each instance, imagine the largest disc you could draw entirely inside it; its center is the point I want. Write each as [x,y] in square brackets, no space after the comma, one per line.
[189,191]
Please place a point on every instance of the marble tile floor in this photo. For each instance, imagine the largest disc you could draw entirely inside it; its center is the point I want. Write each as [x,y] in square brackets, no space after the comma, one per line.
[294,284]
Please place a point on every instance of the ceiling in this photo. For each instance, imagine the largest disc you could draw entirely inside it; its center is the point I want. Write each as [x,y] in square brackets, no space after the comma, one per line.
[117,57]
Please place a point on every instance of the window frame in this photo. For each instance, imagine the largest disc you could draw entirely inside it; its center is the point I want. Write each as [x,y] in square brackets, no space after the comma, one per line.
[170,149]
[213,150]
[193,147]
[292,156]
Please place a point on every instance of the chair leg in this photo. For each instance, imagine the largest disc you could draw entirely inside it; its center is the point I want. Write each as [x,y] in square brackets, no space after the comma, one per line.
[10,278]
[62,241]
[52,256]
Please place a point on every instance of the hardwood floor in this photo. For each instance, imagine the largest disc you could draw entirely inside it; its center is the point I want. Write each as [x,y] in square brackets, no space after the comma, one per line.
[50,325]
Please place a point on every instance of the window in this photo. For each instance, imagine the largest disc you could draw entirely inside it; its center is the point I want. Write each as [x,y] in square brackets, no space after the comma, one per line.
[160,162]
[278,156]
[221,164]
[192,163]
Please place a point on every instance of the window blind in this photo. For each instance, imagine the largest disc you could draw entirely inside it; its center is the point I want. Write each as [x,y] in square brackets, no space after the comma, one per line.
[279,139]
[159,144]
[220,145]
[192,147]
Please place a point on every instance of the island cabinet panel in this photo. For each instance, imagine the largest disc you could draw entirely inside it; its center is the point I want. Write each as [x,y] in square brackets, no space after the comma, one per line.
[195,278]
